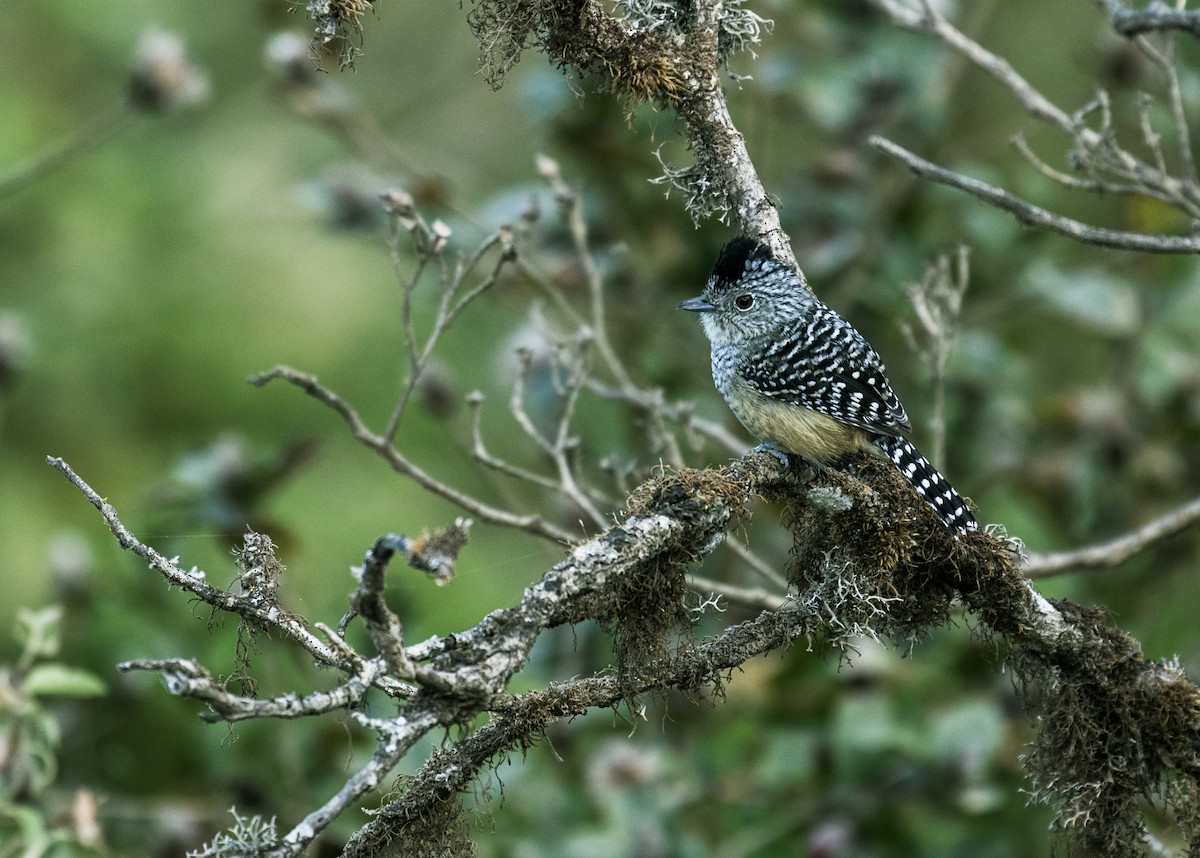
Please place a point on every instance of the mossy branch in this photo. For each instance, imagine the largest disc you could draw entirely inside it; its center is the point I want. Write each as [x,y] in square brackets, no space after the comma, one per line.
[1114,726]
[670,56]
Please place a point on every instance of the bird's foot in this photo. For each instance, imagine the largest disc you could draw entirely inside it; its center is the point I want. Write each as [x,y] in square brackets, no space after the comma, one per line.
[774,448]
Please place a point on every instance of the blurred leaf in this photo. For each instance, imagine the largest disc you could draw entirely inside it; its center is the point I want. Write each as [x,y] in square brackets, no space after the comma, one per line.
[968,735]
[38,631]
[868,724]
[31,829]
[789,756]
[1089,296]
[59,680]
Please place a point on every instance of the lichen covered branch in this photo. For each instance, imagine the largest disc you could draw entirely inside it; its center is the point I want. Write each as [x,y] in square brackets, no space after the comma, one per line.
[869,559]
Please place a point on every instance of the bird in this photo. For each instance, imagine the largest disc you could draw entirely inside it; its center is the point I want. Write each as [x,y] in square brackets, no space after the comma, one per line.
[802,379]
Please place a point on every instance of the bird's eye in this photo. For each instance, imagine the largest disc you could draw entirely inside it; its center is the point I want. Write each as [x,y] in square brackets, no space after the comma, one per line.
[744,301]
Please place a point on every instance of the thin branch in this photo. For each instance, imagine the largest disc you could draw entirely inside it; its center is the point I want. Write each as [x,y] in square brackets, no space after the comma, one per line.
[481,454]
[565,444]
[1115,551]
[650,401]
[1035,216]
[1167,63]
[1095,150]
[561,447]
[394,739]
[551,290]
[187,678]
[937,303]
[194,581]
[1067,179]
[516,404]
[401,212]
[929,20]
[1151,138]
[759,566]
[62,153]
[430,243]
[572,212]
[533,523]
[501,238]
[1154,16]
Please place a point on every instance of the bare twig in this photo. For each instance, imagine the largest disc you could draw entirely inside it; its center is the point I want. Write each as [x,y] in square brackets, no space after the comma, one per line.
[561,446]
[1114,551]
[1166,60]
[572,213]
[531,523]
[430,243]
[927,19]
[564,447]
[1035,216]
[937,302]
[1095,151]
[481,454]
[650,401]
[57,156]
[1066,179]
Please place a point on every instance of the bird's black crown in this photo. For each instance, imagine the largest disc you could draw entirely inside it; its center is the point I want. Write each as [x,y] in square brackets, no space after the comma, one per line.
[737,257]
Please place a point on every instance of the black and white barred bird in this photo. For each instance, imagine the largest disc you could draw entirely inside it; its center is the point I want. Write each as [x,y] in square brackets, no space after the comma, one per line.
[802,379]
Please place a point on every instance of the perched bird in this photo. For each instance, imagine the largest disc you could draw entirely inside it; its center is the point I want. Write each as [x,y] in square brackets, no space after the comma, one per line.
[802,379]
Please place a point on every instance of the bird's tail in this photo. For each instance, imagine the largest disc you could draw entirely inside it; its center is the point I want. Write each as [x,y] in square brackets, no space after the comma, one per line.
[933,488]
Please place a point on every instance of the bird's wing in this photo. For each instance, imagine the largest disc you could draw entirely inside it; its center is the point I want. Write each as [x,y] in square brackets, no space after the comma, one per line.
[827,366]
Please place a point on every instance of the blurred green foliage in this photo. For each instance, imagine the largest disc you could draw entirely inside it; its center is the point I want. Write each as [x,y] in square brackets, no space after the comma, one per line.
[30,738]
[142,282]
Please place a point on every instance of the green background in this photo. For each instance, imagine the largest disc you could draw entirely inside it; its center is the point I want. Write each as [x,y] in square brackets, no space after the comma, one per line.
[152,275]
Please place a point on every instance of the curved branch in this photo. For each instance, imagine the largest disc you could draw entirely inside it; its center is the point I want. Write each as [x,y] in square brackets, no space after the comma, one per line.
[1115,551]
[531,523]
[395,739]
[452,770]
[1096,150]
[187,678]
[1035,216]
[194,582]
[927,19]
[89,136]
[877,563]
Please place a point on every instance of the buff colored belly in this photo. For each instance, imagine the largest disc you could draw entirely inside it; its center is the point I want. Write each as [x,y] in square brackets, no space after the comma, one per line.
[798,430]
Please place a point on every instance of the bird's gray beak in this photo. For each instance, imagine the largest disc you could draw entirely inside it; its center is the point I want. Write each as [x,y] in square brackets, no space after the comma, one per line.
[696,305]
